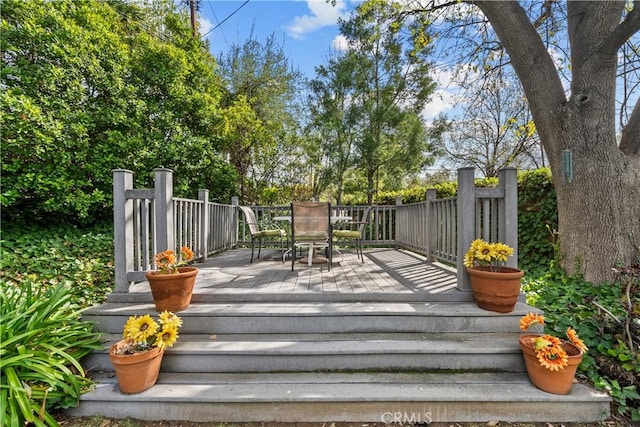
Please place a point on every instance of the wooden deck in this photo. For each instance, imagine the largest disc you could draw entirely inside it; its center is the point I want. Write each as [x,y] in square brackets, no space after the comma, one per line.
[386,274]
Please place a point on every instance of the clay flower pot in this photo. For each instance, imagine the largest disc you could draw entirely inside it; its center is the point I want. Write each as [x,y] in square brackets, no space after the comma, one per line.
[136,372]
[557,382]
[172,292]
[495,291]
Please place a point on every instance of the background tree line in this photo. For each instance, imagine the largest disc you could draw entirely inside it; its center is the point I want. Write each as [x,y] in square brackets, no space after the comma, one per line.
[91,86]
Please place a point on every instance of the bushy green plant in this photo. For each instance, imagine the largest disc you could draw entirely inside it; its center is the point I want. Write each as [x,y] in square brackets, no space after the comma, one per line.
[41,343]
[83,259]
[537,219]
[596,311]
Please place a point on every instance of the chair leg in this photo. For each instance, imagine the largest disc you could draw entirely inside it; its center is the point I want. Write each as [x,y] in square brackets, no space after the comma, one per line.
[282,248]
[259,247]
[252,244]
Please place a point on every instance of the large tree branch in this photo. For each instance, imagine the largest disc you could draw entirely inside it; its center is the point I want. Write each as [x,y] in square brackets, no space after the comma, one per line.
[630,142]
[529,58]
[625,30]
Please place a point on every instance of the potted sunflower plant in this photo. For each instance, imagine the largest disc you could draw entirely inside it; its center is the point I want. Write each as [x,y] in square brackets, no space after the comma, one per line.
[495,286]
[137,357]
[172,283]
[551,362]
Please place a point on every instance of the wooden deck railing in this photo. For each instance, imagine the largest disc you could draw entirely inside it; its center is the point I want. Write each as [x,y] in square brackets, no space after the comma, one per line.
[148,221]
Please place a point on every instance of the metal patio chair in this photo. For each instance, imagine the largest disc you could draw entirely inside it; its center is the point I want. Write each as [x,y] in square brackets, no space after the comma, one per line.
[311,228]
[354,235]
[258,234]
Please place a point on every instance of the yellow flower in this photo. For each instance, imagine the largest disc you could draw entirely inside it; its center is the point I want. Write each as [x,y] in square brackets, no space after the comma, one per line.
[484,252]
[468,258]
[493,255]
[168,319]
[142,333]
[502,252]
[530,319]
[166,338]
[575,340]
[140,328]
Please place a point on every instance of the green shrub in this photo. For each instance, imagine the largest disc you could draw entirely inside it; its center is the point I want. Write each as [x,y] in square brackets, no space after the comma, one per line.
[599,314]
[41,343]
[83,259]
[537,219]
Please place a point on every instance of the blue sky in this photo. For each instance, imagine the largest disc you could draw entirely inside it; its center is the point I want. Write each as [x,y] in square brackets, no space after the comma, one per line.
[307,29]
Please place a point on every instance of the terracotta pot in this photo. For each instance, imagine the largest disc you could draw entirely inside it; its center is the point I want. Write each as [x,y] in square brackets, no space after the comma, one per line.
[496,291]
[136,372]
[557,382]
[172,292]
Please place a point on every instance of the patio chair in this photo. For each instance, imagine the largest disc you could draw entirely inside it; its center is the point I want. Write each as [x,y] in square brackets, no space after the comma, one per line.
[311,228]
[258,234]
[354,235]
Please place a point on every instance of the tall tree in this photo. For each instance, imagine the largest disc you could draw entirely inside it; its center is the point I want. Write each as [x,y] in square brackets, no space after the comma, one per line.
[599,196]
[334,118]
[391,86]
[89,87]
[495,129]
[258,77]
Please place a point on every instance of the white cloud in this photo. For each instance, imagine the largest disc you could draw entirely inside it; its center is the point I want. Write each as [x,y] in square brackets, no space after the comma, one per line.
[340,43]
[322,14]
[443,98]
[205,25]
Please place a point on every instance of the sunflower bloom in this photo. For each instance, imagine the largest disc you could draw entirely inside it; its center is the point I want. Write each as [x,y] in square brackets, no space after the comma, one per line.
[469,259]
[575,340]
[142,328]
[531,319]
[502,252]
[166,338]
[552,357]
[168,319]
[165,260]
[187,253]
[484,252]
[130,328]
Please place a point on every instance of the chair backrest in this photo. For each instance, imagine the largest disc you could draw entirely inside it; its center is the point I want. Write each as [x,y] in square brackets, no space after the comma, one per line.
[365,219]
[250,218]
[311,220]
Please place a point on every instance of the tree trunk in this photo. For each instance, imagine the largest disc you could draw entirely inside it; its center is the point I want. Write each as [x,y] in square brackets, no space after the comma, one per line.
[599,197]
[599,209]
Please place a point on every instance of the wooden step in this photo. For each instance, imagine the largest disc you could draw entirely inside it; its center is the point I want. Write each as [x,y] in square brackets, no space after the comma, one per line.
[336,352]
[401,398]
[315,317]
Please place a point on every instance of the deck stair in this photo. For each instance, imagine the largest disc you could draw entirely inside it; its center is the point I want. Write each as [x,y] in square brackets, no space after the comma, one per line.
[318,359]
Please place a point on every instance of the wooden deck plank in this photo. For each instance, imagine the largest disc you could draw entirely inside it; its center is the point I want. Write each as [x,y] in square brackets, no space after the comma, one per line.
[384,271]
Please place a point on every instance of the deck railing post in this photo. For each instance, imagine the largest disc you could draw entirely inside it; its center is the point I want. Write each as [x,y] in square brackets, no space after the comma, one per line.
[466,207]
[431,230]
[398,232]
[203,195]
[235,202]
[164,222]
[122,228]
[508,221]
